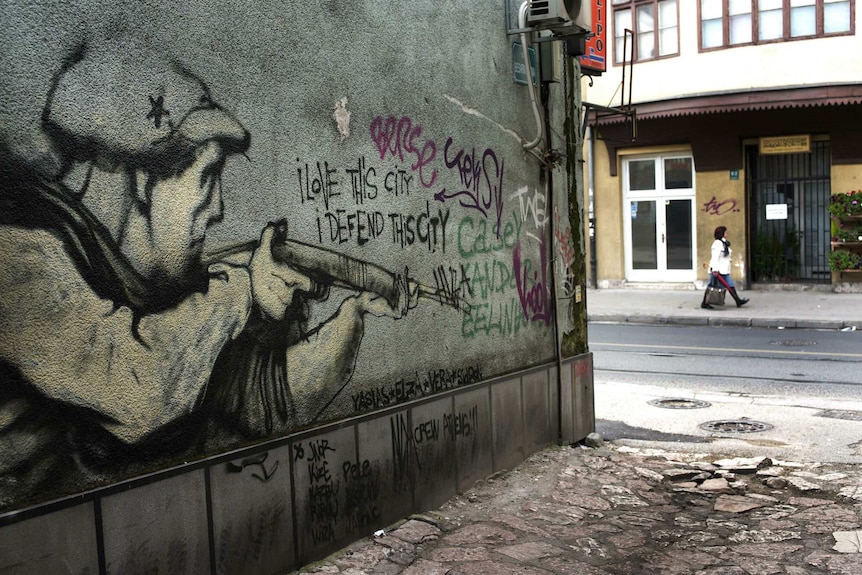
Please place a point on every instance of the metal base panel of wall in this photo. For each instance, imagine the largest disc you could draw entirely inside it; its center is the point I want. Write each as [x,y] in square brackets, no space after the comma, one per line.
[282,504]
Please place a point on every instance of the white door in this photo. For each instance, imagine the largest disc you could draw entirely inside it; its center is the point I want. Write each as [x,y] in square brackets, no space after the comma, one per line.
[658,218]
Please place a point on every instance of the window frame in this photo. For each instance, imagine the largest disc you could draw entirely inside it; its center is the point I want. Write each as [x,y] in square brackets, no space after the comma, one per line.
[755,25]
[632,6]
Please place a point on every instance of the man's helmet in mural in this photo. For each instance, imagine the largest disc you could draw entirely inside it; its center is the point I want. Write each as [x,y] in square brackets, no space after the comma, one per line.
[117,105]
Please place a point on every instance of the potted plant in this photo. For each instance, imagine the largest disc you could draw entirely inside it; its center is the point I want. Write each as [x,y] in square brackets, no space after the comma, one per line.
[845,205]
[846,233]
[842,261]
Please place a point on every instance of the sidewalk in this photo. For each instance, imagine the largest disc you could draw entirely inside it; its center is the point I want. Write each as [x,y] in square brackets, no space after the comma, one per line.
[812,309]
[624,511]
[637,510]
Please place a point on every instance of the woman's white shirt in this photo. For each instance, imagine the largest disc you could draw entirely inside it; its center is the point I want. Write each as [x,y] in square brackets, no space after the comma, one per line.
[719,262]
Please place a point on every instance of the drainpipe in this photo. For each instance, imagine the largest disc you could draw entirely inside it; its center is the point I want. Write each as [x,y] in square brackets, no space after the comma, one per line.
[591,205]
[549,191]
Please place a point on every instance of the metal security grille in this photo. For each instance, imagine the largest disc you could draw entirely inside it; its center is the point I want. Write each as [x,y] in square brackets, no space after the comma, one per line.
[793,249]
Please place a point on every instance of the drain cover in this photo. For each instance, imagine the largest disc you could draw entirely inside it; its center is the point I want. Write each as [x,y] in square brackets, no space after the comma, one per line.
[676,403]
[735,426]
[841,414]
[794,342]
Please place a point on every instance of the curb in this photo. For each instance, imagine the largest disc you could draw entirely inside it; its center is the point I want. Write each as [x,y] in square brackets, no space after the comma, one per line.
[785,323]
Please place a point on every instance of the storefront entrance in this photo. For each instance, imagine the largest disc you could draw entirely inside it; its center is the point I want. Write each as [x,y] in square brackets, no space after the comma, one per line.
[788,221]
[658,216]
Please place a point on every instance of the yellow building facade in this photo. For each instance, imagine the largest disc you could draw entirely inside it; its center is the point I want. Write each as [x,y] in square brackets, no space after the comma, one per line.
[743,114]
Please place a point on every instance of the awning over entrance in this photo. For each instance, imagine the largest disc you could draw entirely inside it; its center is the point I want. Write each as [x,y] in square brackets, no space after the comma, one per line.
[715,125]
[801,97]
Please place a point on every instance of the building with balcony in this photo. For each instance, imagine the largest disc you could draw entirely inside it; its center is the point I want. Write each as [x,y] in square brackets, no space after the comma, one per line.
[741,113]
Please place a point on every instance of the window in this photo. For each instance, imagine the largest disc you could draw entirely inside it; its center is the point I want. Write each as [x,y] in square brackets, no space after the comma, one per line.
[654,24]
[725,23]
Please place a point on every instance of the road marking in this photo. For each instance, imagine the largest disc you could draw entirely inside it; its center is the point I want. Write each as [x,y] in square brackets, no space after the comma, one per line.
[726,349]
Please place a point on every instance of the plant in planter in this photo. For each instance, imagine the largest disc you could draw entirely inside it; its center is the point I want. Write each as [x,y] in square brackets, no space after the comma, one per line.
[846,232]
[841,260]
[843,205]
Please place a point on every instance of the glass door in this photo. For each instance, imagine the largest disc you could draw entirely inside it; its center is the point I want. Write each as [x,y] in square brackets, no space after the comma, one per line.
[659,219]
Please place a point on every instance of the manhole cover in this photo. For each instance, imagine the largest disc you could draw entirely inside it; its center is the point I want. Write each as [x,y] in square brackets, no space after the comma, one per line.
[841,414]
[794,342]
[676,403]
[735,426]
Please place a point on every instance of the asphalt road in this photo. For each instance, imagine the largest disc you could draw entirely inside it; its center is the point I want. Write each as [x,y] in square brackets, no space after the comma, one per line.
[803,362]
[806,384]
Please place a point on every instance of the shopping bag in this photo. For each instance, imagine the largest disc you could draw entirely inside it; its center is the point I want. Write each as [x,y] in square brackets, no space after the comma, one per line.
[715,295]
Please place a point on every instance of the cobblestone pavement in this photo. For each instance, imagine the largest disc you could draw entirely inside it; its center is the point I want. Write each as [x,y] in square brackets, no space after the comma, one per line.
[628,511]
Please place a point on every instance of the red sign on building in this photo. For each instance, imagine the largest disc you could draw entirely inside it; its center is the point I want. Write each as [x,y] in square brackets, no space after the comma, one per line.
[594,59]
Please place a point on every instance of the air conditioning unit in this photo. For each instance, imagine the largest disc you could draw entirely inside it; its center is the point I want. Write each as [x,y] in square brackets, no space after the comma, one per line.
[564,17]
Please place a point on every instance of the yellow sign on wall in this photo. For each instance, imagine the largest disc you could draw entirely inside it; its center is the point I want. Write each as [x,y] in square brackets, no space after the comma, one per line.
[785,144]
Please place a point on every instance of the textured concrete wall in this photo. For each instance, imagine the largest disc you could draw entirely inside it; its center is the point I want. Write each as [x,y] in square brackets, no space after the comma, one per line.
[225,224]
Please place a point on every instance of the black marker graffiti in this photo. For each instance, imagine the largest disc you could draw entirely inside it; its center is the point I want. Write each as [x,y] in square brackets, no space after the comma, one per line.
[258,461]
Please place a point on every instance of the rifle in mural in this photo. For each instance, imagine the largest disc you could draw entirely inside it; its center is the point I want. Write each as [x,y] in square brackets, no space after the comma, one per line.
[329,268]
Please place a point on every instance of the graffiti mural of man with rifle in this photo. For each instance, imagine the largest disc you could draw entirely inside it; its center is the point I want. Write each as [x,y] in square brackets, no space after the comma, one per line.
[119,339]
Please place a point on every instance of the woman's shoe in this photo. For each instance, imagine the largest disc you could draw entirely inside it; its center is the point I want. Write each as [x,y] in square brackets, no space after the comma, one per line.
[705,305]
[741,302]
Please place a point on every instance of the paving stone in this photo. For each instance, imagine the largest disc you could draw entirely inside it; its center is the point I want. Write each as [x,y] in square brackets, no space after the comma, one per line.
[762,567]
[763,535]
[831,477]
[834,564]
[649,474]
[702,466]
[776,482]
[638,519]
[848,542]
[744,464]
[827,518]
[717,484]
[459,554]
[498,568]
[674,474]
[423,567]
[803,484]
[808,474]
[760,496]
[530,551]
[362,556]
[768,549]
[808,501]
[851,492]
[723,571]
[561,564]
[520,524]
[622,496]
[776,524]
[678,562]
[395,544]
[574,498]
[737,503]
[416,532]
[714,523]
[480,534]
[774,512]
[627,541]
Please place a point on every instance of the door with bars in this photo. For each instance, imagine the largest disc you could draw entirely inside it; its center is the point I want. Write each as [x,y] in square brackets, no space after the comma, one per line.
[792,249]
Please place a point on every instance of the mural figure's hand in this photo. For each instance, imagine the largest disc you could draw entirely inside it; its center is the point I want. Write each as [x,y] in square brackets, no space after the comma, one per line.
[272,283]
[377,305]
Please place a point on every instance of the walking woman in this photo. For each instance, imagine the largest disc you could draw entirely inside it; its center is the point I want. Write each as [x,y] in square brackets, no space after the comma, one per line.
[719,267]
